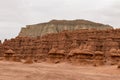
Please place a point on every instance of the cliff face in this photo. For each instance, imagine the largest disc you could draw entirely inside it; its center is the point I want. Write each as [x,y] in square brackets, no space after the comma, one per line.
[56,26]
[79,47]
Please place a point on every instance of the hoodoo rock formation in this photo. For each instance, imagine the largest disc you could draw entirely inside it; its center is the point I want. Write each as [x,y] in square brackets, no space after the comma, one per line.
[56,26]
[82,46]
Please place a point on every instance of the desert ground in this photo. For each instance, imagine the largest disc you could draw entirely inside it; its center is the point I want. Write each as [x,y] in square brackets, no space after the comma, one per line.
[61,71]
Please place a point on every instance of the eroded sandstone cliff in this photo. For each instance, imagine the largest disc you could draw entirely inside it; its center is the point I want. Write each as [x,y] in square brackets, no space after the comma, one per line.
[56,26]
[77,42]
[77,47]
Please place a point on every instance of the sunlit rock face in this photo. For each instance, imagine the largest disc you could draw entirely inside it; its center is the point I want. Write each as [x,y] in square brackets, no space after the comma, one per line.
[56,26]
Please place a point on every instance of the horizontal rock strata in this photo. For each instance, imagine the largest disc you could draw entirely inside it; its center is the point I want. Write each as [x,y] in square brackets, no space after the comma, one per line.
[84,46]
[56,26]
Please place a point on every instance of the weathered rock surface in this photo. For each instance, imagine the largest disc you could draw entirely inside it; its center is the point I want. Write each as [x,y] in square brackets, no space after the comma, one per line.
[96,47]
[56,26]
[77,42]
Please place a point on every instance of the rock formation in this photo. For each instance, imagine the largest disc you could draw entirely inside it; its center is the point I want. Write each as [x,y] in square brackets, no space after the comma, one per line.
[82,46]
[56,26]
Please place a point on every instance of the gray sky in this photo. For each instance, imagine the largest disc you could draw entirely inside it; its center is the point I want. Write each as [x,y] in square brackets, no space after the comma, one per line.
[15,14]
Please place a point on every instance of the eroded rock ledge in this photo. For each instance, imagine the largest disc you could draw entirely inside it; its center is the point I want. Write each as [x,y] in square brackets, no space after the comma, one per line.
[96,47]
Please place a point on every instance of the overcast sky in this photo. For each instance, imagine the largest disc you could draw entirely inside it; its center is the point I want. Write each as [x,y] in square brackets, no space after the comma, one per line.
[15,14]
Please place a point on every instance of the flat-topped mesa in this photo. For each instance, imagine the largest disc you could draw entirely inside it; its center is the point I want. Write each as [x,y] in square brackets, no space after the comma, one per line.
[56,26]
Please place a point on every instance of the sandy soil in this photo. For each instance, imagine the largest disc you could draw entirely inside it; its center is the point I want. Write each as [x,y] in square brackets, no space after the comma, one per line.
[62,71]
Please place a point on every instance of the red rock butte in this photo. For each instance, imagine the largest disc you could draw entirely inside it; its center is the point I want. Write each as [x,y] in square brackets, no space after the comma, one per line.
[76,42]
